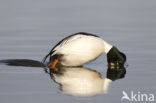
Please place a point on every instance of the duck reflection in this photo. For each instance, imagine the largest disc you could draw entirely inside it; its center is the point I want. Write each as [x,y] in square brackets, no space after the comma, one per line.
[79,81]
[76,81]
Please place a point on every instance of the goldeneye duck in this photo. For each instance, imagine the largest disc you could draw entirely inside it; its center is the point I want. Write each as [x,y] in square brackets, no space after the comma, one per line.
[81,48]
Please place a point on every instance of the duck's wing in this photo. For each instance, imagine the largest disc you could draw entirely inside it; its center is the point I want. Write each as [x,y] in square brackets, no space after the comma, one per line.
[70,39]
[67,40]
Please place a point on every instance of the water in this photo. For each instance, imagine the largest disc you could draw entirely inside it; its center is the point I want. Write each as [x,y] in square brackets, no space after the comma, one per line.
[29,29]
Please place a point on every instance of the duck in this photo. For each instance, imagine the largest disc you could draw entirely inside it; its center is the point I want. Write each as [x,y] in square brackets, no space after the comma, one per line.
[81,48]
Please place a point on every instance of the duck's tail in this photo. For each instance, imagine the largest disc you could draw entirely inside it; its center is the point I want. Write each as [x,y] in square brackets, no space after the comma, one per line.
[44,59]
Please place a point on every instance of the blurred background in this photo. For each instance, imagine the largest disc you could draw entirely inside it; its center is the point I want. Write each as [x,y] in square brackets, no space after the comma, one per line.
[30,28]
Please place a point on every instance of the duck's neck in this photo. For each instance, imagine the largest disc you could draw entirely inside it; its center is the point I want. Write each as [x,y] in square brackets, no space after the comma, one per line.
[113,54]
[107,47]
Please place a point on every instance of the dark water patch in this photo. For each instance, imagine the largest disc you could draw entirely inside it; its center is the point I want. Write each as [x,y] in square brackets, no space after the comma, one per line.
[22,62]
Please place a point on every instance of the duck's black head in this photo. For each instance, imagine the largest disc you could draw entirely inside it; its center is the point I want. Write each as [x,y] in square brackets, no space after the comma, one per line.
[114,55]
